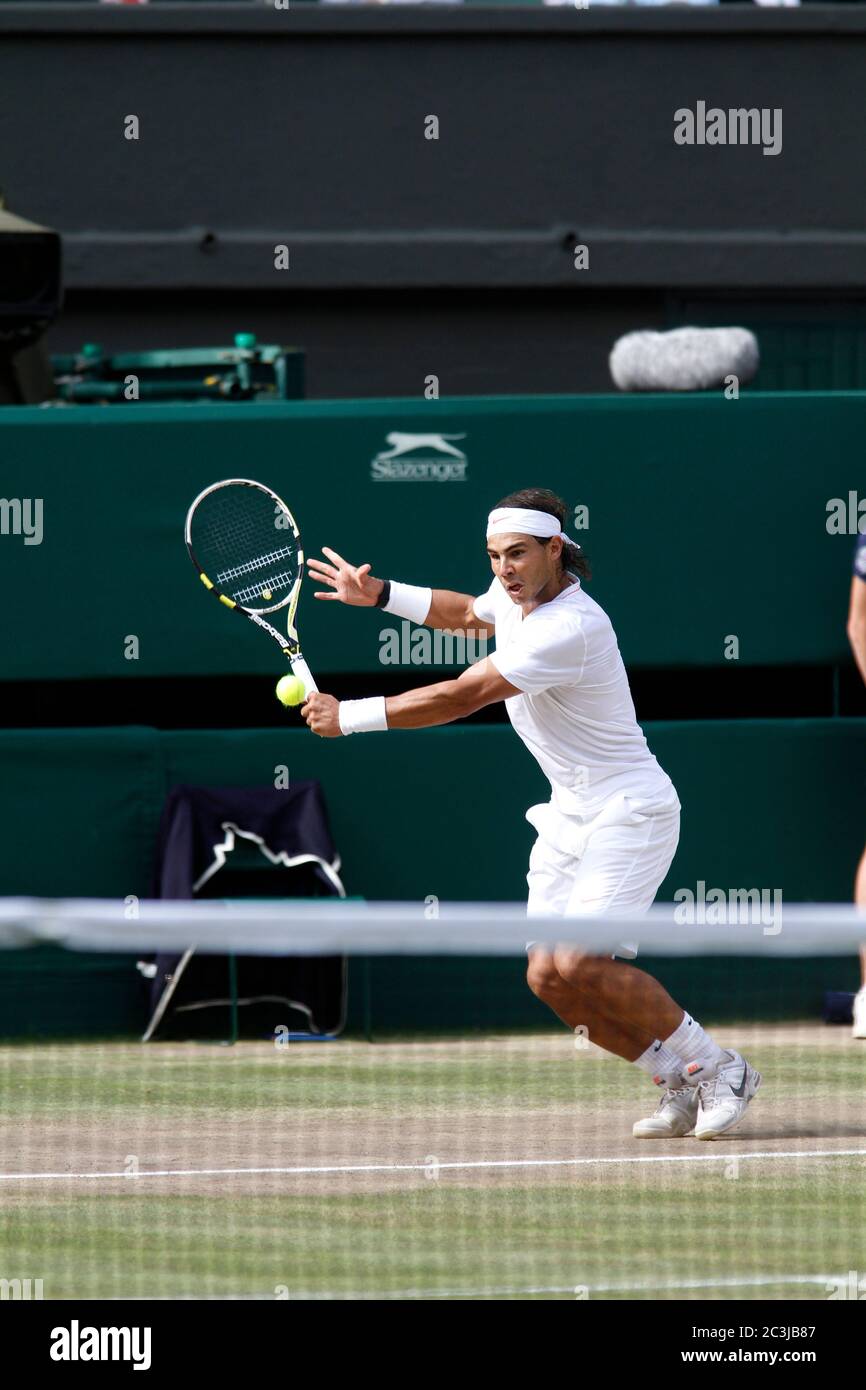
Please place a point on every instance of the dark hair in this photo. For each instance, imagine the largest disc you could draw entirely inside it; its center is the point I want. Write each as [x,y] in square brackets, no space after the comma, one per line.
[541,499]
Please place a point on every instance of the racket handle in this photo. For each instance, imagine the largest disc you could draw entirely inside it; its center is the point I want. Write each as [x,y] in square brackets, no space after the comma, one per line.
[303,673]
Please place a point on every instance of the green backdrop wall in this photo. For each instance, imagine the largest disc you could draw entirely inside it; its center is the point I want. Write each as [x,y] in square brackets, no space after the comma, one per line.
[766,804]
[706,517]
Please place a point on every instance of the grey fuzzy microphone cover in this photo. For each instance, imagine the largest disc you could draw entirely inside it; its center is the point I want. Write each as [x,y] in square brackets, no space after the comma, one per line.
[684,359]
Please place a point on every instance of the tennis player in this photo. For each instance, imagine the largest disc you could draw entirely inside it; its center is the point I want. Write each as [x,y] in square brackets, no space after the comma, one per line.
[608,834]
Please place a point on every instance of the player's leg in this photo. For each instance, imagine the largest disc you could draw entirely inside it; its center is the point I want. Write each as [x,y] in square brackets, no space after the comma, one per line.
[621,871]
[579,1010]
[860,997]
[677,1110]
[551,881]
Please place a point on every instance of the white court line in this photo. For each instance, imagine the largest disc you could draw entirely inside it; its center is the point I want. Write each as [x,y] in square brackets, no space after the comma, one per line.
[651,1286]
[718,1156]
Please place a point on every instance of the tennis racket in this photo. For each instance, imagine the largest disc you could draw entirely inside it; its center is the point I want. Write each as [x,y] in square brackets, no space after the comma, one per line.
[245,545]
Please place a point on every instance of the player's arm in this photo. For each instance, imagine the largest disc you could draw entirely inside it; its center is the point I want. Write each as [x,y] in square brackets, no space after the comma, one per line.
[356,586]
[453,612]
[857,623]
[480,685]
[424,708]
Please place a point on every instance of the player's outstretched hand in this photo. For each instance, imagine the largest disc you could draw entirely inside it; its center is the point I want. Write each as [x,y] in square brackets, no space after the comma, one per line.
[322,713]
[347,583]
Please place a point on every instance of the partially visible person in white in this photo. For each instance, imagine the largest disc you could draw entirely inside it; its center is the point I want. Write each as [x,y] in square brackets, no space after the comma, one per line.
[608,834]
[857,638]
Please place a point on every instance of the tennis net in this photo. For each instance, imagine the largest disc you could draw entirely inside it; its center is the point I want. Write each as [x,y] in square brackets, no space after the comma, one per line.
[401,1117]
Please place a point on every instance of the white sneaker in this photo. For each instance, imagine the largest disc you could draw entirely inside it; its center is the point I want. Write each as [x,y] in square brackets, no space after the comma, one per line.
[724,1098]
[673,1118]
[859,1030]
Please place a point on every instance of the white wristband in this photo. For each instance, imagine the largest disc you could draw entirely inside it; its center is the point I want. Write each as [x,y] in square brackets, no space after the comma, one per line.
[363,716]
[409,601]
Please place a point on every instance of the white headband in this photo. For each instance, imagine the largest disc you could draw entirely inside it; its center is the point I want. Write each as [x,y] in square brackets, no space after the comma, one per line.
[505,521]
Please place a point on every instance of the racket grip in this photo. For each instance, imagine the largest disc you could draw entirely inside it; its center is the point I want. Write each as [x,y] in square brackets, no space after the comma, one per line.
[303,673]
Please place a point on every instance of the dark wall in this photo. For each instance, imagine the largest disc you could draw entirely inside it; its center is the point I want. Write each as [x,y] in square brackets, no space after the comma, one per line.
[410,256]
[308,128]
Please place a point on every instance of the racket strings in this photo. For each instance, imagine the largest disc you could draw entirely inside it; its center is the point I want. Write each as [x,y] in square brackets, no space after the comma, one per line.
[259,563]
[234,540]
[270,586]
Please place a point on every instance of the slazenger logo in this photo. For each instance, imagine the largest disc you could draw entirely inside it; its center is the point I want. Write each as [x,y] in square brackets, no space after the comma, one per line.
[76,1343]
[420,458]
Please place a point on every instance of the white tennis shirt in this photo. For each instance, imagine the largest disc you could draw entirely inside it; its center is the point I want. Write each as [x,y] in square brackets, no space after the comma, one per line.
[576,715]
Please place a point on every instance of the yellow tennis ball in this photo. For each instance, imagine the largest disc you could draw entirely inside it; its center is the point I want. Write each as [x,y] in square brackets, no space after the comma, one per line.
[290,690]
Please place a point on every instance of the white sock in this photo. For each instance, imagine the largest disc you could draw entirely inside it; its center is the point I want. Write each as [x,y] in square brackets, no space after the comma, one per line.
[663,1065]
[702,1056]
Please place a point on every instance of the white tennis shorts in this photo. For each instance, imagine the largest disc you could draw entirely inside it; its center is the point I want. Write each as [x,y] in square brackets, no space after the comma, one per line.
[613,863]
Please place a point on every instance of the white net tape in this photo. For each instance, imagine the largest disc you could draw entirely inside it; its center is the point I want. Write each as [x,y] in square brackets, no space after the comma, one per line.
[317,927]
